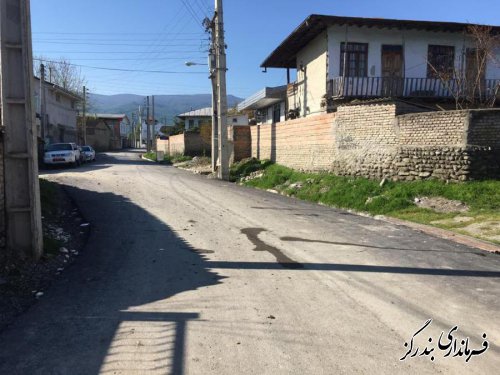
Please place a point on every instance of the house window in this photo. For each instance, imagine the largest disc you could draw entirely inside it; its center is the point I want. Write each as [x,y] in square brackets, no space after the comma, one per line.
[355,56]
[235,119]
[191,124]
[58,97]
[73,104]
[277,113]
[440,61]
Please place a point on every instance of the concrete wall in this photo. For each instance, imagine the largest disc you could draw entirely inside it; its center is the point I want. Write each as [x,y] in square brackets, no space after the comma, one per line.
[311,80]
[374,141]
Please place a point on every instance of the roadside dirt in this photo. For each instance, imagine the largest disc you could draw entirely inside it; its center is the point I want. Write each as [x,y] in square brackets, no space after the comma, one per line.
[198,165]
[23,282]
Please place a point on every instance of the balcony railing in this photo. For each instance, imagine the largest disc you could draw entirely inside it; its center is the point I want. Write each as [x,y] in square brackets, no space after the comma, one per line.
[373,87]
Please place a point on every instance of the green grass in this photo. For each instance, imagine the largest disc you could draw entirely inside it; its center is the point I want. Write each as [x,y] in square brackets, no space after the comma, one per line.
[49,197]
[360,194]
[150,155]
[180,158]
[167,159]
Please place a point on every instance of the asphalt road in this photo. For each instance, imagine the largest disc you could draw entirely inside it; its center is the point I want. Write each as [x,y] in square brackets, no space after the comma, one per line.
[186,275]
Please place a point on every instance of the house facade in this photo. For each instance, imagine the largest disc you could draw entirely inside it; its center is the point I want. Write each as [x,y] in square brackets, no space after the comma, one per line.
[344,58]
[61,108]
[202,116]
[268,105]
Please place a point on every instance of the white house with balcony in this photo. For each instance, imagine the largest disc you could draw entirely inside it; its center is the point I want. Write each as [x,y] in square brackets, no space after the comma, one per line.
[344,58]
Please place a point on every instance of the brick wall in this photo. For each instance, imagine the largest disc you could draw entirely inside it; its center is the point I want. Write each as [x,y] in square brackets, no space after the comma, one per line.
[162,145]
[305,143]
[484,128]
[446,128]
[176,144]
[374,141]
[242,141]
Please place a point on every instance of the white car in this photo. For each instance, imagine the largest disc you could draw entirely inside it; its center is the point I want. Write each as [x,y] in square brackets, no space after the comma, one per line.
[62,153]
[88,153]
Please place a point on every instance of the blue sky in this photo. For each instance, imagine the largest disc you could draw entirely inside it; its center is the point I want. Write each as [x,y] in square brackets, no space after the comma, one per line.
[163,34]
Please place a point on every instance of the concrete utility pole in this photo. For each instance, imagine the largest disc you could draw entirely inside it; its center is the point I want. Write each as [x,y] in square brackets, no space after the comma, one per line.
[148,128]
[154,123]
[84,118]
[220,58]
[212,66]
[140,126]
[43,107]
[22,196]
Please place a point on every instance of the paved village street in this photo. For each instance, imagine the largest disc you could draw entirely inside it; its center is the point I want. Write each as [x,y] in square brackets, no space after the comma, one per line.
[187,275]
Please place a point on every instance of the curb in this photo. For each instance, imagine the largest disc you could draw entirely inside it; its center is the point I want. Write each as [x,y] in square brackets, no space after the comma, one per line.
[445,234]
[143,158]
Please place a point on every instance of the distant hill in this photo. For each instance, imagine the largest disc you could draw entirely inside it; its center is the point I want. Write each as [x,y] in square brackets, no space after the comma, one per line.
[165,105]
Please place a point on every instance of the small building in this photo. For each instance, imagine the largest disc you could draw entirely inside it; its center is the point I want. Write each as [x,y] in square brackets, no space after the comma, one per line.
[202,116]
[268,105]
[121,127]
[338,59]
[99,134]
[61,112]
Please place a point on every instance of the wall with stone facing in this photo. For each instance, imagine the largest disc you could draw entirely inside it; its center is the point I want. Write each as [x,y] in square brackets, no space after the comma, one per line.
[374,141]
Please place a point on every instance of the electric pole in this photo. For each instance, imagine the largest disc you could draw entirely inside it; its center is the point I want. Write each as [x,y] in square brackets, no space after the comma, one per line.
[154,122]
[21,199]
[212,66]
[43,108]
[140,126]
[220,59]
[148,128]
[84,118]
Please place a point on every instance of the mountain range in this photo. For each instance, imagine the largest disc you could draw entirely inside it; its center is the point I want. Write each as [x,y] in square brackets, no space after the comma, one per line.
[166,106]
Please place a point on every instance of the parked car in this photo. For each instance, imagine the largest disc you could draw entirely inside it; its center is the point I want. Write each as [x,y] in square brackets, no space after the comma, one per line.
[88,153]
[62,153]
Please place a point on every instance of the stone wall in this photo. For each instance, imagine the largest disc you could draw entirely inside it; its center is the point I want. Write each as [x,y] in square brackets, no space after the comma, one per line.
[383,140]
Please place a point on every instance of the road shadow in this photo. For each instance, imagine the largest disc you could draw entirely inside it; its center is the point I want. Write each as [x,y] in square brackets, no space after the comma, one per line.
[110,311]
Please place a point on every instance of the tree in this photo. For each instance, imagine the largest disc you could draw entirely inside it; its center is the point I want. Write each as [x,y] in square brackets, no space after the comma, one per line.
[466,82]
[62,73]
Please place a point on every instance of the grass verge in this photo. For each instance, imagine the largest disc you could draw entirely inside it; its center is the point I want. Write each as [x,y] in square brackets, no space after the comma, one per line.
[395,199]
[174,159]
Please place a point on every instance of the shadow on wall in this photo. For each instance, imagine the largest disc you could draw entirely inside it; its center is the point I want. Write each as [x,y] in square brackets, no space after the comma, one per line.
[110,312]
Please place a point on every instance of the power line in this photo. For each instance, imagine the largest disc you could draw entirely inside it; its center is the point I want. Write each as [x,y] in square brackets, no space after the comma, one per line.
[111,52]
[125,70]
[121,44]
[106,33]
[192,12]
